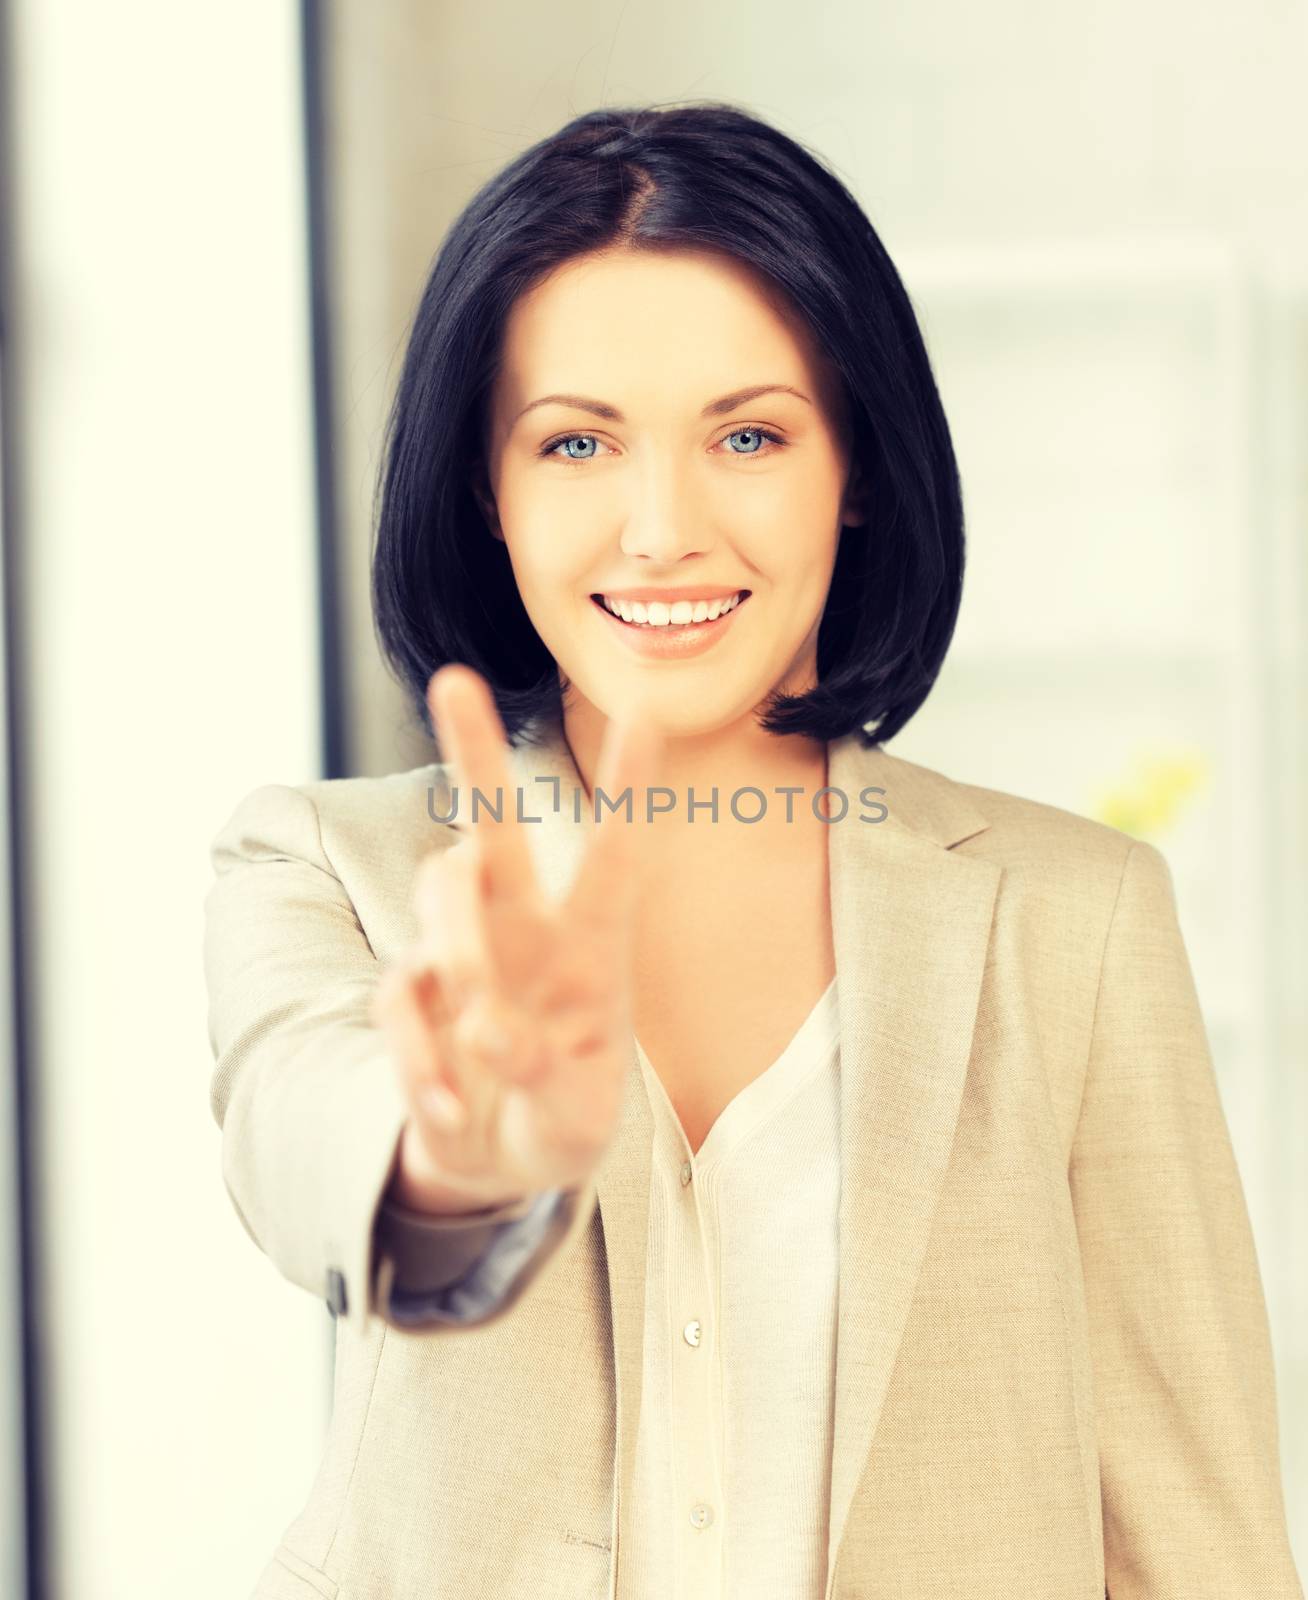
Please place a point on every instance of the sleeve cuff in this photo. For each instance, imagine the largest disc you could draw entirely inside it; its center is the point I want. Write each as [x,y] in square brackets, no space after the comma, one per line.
[458,1269]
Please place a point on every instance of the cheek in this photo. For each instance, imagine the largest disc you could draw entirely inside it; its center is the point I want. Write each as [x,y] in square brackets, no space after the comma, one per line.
[803,487]
[549,559]
[792,533]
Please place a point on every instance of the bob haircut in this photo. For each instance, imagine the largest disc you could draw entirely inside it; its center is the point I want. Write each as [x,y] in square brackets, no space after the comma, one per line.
[703,175]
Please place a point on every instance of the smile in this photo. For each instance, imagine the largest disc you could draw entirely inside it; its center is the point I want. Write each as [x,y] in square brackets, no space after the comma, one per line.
[679,631]
[680,614]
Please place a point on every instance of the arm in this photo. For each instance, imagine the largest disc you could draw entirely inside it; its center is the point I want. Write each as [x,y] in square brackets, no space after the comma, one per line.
[1183,1378]
[303,1088]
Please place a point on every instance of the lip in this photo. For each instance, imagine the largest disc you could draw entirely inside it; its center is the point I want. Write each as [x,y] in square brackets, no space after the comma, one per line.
[673,643]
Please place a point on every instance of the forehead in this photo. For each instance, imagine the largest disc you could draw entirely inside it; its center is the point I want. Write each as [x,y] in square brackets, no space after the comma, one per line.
[633,324]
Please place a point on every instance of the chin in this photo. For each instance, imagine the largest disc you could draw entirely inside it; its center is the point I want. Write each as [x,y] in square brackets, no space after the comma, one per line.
[675,719]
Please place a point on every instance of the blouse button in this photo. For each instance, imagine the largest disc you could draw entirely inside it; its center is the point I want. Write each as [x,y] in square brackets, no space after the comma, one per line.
[685,1173]
[701,1515]
[690,1333]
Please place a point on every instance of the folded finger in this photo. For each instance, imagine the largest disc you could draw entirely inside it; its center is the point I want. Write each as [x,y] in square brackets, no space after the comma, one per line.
[426,1068]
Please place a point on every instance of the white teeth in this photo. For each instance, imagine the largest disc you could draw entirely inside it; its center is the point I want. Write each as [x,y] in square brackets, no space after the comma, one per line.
[678,615]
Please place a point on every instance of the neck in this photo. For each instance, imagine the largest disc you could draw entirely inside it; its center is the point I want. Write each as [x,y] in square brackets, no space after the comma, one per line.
[739,757]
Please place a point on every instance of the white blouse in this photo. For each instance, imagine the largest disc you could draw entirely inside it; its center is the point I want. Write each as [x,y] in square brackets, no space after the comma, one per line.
[733,1451]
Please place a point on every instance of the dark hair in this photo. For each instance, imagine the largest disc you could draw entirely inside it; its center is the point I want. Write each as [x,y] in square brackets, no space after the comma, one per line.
[705,175]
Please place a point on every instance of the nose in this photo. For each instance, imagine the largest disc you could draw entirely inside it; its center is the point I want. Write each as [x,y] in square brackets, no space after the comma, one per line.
[664,524]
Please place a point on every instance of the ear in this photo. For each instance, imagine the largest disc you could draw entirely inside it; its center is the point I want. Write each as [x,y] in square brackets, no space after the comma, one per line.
[853,508]
[481,493]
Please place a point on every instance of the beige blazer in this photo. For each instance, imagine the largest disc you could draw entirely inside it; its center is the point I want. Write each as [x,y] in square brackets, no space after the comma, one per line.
[1054,1374]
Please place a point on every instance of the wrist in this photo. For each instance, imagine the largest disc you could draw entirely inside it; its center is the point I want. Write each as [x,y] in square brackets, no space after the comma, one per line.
[418,1183]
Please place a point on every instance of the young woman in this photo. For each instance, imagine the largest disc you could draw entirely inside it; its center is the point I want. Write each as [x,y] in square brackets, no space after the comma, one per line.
[741,1162]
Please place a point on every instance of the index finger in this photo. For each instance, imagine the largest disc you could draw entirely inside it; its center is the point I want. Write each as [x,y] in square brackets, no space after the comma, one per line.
[473,738]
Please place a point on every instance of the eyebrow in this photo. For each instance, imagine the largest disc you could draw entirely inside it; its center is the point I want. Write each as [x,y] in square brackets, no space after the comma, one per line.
[715,408]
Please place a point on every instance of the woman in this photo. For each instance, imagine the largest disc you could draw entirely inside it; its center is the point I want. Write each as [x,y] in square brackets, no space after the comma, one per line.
[812,1182]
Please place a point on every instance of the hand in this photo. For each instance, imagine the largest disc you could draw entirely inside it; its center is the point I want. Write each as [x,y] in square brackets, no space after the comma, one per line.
[510,1019]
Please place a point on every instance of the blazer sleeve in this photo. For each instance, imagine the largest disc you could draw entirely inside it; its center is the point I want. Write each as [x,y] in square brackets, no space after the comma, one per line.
[1182,1360]
[309,1103]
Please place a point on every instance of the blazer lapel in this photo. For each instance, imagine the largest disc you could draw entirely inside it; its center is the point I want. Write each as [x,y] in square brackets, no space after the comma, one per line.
[911,926]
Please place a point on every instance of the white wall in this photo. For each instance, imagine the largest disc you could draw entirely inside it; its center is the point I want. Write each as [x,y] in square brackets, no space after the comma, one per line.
[170,551]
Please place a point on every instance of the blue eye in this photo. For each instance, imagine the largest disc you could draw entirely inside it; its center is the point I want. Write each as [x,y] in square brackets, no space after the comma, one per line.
[556,445]
[572,438]
[756,433]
